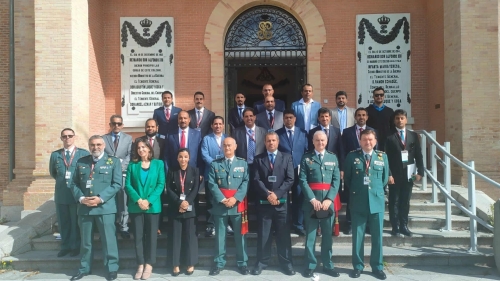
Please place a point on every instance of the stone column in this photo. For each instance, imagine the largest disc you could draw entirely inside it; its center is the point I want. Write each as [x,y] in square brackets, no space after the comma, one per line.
[52,92]
[471,80]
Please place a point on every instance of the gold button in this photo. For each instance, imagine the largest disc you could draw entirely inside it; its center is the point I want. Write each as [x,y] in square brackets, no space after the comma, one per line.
[229,183]
[369,187]
[91,192]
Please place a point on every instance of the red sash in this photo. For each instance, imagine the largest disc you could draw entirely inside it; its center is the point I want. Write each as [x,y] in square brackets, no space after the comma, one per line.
[326,186]
[242,208]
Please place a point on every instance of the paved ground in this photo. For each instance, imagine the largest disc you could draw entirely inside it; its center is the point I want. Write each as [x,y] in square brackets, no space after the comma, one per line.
[414,273]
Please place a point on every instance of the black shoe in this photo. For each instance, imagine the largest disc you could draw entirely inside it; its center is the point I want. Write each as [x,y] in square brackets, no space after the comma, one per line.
[379,274]
[209,232]
[299,232]
[318,232]
[243,270]
[79,276]
[229,231]
[112,275]
[257,270]
[395,232]
[74,253]
[367,231]
[348,230]
[288,271]
[405,231]
[62,253]
[330,271]
[125,234]
[189,272]
[355,273]
[308,273]
[176,273]
[215,271]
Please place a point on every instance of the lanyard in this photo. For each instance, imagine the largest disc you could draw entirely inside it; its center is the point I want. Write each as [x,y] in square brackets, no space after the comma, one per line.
[367,165]
[219,145]
[183,179]
[92,170]
[252,136]
[199,119]
[70,160]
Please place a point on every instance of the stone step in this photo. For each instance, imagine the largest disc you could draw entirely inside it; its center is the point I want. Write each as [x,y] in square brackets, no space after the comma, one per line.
[421,238]
[47,260]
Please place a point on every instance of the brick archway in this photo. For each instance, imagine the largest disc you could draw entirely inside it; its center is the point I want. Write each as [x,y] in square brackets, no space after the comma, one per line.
[227,10]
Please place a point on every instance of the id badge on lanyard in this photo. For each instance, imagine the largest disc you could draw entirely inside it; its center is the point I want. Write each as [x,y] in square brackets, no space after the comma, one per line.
[404,152]
[67,175]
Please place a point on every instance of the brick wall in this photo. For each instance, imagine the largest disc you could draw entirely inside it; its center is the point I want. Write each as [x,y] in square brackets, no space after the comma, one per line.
[4,93]
[97,109]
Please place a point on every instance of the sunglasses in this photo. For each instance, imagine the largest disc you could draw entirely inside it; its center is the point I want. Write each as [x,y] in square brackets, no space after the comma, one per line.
[116,124]
[378,95]
[67,136]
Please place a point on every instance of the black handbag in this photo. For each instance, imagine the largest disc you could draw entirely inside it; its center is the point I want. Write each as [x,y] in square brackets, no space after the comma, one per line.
[321,214]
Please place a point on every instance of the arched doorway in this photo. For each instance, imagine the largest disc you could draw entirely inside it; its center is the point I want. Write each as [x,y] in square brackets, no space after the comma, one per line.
[264,45]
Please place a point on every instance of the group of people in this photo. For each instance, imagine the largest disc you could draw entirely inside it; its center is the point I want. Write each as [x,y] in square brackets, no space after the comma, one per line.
[297,163]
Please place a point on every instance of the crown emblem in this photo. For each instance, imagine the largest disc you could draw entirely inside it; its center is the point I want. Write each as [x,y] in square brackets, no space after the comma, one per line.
[146,23]
[383,21]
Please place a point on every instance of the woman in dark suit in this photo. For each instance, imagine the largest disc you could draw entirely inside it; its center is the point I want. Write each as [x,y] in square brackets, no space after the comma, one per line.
[182,188]
[144,185]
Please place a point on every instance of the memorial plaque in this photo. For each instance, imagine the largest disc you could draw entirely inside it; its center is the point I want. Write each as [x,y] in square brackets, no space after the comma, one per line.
[383,54]
[147,66]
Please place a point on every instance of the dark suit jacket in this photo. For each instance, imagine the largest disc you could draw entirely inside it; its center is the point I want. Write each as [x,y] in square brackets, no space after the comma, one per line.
[262,120]
[297,148]
[240,135]
[171,125]
[158,146]
[334,142]
[174,190]
[350,140]
[234,119]
[206,121]
[259,107]
[393,148]
[172,147]
[283,170]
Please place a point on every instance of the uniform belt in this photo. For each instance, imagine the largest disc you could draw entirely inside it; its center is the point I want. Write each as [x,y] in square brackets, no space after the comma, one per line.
[242,207]
[319,186]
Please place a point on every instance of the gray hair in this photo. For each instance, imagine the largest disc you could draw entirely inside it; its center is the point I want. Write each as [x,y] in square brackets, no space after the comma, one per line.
[271,133]
[95,137]
[319,132]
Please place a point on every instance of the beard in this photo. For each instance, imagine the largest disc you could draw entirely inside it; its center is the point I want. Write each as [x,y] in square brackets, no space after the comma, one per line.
[151,134]
[96,153]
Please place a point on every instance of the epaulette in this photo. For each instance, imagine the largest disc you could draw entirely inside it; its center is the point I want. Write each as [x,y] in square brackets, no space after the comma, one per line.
[239,158]
[219,160]
[330,152]
[379,151]
[358,149]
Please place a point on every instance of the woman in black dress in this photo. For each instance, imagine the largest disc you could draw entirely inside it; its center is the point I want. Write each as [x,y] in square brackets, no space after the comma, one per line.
[182,188]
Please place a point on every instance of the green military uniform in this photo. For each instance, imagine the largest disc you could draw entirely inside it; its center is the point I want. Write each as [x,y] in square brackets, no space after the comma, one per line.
[105,182]
[61,168]
[367,203]
[316,170]
[222,175]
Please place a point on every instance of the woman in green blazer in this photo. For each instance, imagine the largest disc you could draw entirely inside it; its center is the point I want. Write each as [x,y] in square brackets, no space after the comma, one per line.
[144,184]
[182,188]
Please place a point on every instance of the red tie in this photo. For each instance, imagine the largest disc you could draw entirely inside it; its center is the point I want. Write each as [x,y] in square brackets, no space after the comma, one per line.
[151,141]
[167,113]
[360,130]
[183,140]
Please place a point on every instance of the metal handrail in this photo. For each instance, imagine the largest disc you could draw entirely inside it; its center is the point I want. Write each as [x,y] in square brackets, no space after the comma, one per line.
[446,187]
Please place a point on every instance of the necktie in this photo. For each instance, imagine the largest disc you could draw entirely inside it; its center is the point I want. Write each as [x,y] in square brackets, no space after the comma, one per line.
[320,156]
[151,141]
[271,119]
[271,160]
[290,138]
[251,147]
[228,164]
[67,156]
[115,143]
[326,132]
[402,134]
[199,117]
[167,113]
[360,130]
[240,112]
[183,139]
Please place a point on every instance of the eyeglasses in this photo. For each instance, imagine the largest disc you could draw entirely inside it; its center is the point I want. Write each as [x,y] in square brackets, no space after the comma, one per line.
[378,95]
[67,136]
[116,124]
